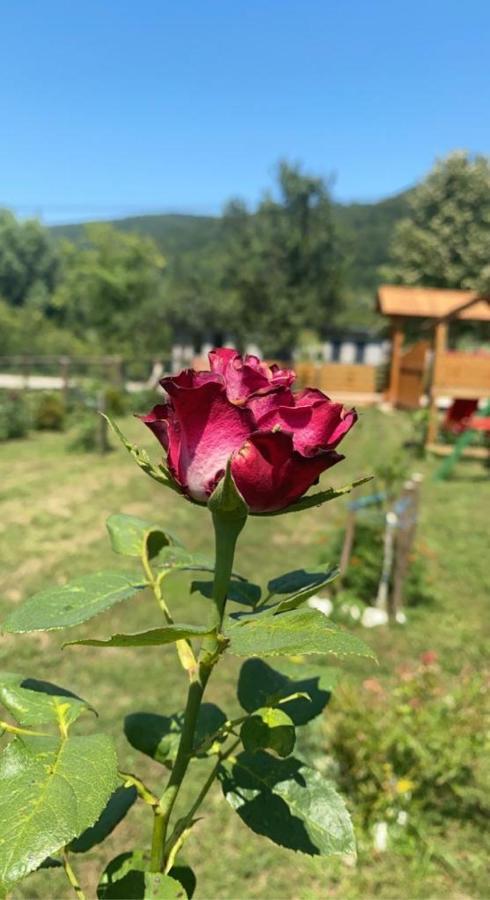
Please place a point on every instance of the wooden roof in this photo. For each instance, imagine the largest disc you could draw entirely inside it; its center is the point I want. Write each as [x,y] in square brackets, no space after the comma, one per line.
[432,303]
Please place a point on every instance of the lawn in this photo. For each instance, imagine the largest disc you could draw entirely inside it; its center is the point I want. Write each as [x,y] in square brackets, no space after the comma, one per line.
[53,507]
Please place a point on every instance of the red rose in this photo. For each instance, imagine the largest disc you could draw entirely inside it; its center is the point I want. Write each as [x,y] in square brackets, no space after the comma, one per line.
[279,441]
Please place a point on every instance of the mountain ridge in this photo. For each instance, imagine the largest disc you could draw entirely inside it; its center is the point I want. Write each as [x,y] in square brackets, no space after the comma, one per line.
[364,231]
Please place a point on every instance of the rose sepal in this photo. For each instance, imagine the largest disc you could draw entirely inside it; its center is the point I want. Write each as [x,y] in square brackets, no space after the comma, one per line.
[229,512]
[159,473]
[312,500]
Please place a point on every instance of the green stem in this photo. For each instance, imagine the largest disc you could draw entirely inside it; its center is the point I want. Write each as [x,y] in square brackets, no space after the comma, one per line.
[183,647]
[184,823]
[226,529]
[72,878]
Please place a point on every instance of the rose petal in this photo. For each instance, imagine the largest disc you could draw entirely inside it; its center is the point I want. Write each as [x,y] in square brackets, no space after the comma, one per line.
[308,396]
[189,378]
[270,475]
[219,359]
[260,404]
[157,421]
[206,429]
[248,375]
[320,426]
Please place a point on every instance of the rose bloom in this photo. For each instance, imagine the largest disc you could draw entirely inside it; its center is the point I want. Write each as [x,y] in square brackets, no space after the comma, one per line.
[279,441]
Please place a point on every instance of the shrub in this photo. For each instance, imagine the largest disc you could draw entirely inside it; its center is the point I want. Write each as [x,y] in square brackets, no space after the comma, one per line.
[116,401]
[87,435]
[364,570]
[143,401]
[415,748]
[50,413]
[14,416]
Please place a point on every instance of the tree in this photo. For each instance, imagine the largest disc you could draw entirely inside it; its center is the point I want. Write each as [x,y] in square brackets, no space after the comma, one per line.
[445,242]
[29,262]
[198,307]
[282,264]
[111,292]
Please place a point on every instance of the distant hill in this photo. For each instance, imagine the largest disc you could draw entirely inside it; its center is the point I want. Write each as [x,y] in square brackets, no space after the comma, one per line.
[365,231]
[173,232]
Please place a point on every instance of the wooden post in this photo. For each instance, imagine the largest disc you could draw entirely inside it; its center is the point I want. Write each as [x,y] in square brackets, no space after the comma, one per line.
[116,369]
[407,528]
[65,380]
[440,343]
[350,531]
[396,353]
[103,439]
[25,370]
[382,599]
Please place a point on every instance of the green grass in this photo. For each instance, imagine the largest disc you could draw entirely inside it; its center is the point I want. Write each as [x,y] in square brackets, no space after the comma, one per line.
[53,507]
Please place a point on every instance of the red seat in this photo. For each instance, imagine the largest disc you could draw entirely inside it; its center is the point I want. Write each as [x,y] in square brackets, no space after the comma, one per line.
[459,415]
[480,423]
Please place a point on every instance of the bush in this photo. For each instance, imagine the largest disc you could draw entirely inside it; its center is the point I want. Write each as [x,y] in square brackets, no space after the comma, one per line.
[116,401]
[14,417]
[143,401]
[417,748]
[87,436]
[50,413]
[363,573]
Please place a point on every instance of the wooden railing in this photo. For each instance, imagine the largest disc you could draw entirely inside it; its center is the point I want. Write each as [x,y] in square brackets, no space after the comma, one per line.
[333,378]
[462,375]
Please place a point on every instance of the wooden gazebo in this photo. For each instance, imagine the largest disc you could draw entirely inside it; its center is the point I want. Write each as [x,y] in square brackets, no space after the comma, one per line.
[454,374]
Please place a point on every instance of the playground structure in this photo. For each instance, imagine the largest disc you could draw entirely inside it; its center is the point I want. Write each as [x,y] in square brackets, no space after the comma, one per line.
[465,420]
[444,374]
[400,519]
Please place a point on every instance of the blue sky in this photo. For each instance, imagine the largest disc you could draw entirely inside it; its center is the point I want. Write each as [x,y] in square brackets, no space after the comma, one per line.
[110,107]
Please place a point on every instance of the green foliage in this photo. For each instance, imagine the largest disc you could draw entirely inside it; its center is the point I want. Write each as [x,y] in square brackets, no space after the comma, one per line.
[66,780]
[53,786]
[50,413]
[73,603]
[243,592]
[269,728]
[295,582]
[25,329]
[282,262]
[127,877]
[140,402]
[364,233]
[117,807]
[29,262]
[416,746]
[33,702]
[132,536]
[299,631]
[194,248]
[289,803]
[86,437]
[15,419]
[320,497]
[312,582]
[448,855]
[445,240]
[58,792]
[363,573]
[261,685]
[155,637]
[158,736]
[390,473]
[116,401]
[159,473]
[111,291]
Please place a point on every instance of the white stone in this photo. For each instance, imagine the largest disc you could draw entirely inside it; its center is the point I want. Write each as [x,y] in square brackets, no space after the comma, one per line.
[323,604]
[381,836]
[372,616]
